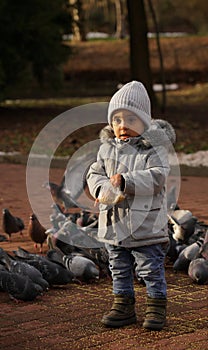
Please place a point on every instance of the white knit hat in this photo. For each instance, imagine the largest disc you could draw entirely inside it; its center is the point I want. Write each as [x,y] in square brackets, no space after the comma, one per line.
[134,97]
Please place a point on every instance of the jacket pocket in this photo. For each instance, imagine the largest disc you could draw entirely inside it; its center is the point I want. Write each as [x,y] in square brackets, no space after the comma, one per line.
[147,224]
[140,223]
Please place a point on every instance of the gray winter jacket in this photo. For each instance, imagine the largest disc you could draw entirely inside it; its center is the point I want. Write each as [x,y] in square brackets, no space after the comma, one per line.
[141,218]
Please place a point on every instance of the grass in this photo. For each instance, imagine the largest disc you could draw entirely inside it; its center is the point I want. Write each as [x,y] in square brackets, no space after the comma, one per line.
[195,95]
[190,95]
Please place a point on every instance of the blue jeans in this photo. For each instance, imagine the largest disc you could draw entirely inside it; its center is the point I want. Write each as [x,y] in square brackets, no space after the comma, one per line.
[148,263]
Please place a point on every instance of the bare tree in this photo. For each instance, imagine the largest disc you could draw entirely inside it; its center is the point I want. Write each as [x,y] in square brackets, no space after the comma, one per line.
[120,19]
[139,50]
[78,23]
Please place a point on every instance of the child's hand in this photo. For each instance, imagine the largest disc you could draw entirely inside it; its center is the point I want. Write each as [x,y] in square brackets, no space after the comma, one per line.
[116,180]
[109,194]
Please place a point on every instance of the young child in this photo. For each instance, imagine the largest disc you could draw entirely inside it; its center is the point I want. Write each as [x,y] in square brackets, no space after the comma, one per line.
[133,158]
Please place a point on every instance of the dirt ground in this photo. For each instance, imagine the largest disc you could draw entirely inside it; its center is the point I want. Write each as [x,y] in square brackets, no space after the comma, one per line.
[68,317]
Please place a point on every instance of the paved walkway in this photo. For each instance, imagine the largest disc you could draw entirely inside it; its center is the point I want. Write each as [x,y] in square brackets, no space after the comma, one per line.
[68,317]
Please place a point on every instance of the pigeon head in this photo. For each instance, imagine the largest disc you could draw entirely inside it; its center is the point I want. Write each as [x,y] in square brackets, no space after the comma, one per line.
[5,211]
[33,217]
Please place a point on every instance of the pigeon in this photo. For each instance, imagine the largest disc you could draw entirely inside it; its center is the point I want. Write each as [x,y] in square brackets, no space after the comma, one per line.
[11,224]
[57,219]
[25,254]
[55,255]
[18,286]
[198,271]
[36,231]
[72,234]
[83,268]
[187,255]
[53,273]
[60,195]
[174,248]
[183,223]
[71,238]
[23,268]
[98,255]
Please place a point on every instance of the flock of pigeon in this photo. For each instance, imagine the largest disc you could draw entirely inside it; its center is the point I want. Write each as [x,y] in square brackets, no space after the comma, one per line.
[24,275]
[75,255]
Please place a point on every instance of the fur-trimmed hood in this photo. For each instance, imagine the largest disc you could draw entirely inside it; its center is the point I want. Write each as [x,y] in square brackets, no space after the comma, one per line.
[159,133]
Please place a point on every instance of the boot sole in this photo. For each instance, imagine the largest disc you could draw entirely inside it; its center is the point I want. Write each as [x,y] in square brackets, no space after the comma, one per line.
[152,326]
[119,323]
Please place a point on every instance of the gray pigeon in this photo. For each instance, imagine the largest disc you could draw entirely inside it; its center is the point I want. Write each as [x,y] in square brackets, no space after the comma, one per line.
[183,223]
[19,287]
[53,273]
[23,268]
[82,267]
[198,271]
[60,195]
[187,255]
[74,235]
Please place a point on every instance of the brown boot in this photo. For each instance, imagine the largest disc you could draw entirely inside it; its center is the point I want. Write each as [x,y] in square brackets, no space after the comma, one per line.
[122,312]
[155,314]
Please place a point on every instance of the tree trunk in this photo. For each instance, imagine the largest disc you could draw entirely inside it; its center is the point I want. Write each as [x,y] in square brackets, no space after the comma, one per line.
[120,19]
[78,27]
[139,50]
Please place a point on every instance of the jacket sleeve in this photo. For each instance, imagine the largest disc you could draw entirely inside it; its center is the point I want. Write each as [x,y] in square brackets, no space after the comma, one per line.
[96,176]
[150,180]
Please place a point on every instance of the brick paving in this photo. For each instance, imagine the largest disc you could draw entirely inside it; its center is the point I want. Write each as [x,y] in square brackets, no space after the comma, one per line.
[68,317]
